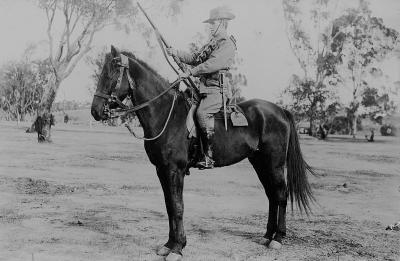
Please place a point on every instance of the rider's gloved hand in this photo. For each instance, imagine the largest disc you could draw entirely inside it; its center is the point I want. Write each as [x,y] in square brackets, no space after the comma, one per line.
[182,87]
[183,75]
[171,51]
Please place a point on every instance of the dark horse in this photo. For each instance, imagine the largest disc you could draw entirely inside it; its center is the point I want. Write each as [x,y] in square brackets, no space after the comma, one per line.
[269,142]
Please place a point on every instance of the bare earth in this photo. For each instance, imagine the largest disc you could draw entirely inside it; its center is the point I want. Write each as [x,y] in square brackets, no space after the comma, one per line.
[93,195]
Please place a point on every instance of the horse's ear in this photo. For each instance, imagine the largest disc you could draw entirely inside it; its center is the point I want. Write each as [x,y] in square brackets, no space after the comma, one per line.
[114,51]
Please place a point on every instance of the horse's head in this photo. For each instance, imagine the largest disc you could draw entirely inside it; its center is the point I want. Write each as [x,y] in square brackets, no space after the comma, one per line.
[112,86]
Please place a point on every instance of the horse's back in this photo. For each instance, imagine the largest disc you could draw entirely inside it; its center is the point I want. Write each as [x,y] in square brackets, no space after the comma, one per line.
[262,111]
[267,126]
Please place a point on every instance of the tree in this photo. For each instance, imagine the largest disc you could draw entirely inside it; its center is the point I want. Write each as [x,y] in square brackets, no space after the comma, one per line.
[237,80]
[309,101]
[365,41]
[81,20]
[96,62]
[315,53]
[376,106]
[21,87]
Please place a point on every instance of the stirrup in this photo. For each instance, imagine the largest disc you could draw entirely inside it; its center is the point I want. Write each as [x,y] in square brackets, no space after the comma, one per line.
[207,163]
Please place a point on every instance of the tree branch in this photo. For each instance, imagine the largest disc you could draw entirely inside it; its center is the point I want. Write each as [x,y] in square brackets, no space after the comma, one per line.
[50,13]
[80,54]
[67,24]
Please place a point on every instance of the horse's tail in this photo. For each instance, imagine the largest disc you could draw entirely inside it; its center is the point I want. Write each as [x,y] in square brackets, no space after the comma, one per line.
[297,183]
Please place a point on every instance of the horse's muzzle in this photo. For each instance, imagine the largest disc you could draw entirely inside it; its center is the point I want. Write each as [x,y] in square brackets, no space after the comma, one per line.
[98,113]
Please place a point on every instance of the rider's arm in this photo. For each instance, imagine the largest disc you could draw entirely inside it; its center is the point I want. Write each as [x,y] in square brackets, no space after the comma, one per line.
[221,58]
[185,57]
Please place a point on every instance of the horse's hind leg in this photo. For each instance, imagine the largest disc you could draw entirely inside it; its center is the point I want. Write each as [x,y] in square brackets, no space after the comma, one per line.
[273,180]
[280,194]
[263,170]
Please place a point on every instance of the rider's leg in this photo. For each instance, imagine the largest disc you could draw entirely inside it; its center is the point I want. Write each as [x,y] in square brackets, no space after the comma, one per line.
[209,105]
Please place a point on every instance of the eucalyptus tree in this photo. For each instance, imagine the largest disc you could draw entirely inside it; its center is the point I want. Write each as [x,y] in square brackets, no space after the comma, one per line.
[366,41]
[71,28]
[311,38]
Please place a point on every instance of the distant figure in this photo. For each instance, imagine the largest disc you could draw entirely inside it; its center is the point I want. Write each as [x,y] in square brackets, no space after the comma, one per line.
[66,118]
[371,137]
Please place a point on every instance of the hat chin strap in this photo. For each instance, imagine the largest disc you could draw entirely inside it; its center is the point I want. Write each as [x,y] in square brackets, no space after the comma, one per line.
[216,31]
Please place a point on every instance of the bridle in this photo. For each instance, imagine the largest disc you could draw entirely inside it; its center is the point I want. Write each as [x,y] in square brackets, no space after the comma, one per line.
[123,67]
[123,109]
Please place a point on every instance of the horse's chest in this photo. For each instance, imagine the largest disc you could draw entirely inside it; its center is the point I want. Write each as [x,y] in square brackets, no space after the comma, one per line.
[153,153]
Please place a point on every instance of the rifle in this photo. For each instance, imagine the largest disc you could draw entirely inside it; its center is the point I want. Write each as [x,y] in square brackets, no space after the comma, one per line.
[176,59]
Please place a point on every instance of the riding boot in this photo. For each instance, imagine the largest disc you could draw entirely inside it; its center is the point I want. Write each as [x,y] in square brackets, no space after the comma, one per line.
[207,162]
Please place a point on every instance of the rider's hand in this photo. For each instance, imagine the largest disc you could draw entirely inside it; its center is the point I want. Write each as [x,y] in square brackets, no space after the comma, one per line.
[182,87]
[171,51]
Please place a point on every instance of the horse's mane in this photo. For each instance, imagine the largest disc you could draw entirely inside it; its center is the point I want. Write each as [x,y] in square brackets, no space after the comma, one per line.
[147,67]
[157,77]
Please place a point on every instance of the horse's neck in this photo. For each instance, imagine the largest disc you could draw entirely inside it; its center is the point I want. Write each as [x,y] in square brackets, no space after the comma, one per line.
[152,117]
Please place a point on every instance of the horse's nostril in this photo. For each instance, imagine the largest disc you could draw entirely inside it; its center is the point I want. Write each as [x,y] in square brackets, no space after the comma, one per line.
[94,113]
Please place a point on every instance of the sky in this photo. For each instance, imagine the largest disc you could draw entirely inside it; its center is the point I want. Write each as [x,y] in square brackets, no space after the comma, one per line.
[259,28]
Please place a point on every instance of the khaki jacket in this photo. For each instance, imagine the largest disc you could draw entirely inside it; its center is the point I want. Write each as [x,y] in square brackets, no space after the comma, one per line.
[219,60]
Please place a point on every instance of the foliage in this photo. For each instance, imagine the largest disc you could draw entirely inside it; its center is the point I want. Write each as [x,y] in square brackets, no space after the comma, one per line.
[80,20]
[21,87]
[340,125]
[311,101]
[96,63]
[237,80]
[365,40]
[317,56]
[338,50]
[70,105]
[376,106]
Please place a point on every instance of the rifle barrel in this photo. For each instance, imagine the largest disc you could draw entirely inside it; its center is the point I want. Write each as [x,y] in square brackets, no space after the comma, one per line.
[153,25]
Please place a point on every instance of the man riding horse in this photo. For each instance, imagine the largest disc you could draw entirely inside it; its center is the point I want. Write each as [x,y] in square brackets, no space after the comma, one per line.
[269,141]
[211,63]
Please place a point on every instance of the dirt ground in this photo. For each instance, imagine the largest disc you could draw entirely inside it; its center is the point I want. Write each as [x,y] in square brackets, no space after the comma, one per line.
[93,195]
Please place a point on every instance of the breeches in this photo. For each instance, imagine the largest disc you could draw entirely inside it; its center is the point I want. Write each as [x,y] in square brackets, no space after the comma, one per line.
[209,105]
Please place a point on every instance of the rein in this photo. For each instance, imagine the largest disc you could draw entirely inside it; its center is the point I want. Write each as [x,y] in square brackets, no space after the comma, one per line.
[124,67]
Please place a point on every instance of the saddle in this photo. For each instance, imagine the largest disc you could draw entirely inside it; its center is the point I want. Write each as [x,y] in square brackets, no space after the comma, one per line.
[234,114]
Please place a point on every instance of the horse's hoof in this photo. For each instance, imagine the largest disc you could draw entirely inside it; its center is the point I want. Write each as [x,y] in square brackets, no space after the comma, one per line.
[274,245]
[174,257]
[163,251]
[264,241]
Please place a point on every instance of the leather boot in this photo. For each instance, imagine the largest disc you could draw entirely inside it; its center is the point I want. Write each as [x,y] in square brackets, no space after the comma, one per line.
[207,162]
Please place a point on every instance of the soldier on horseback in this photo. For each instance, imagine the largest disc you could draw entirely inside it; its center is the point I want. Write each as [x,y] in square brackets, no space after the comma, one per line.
[210,63]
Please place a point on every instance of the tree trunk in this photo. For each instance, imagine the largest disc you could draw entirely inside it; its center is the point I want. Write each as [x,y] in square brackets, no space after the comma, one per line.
[44,113]
[311,132]
[312,119]
[354,126]
[17,113]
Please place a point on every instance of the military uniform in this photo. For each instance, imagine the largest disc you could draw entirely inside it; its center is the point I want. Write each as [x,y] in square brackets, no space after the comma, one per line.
[212,60]
[209,62]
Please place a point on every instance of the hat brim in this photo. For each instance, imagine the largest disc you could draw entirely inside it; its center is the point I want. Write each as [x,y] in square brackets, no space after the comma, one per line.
[228,17]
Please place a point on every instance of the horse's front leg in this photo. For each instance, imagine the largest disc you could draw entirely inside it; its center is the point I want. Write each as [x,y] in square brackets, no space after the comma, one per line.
[172,184]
